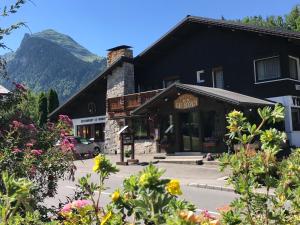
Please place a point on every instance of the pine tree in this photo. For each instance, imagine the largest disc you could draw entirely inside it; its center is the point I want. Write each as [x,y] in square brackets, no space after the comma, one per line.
[53,101]
[43,112]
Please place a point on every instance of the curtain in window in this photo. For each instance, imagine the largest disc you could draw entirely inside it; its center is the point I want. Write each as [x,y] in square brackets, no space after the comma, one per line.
[268,69]
[293,66]
[218,78]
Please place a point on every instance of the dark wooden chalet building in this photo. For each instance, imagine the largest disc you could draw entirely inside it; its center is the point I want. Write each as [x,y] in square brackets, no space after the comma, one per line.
[176,93]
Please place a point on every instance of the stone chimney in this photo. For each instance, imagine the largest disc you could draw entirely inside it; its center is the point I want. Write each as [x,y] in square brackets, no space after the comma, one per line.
[115,53]
[120,82]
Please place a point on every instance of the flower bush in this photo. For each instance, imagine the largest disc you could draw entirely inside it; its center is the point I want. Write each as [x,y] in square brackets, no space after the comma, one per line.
[29,151]
[278,201]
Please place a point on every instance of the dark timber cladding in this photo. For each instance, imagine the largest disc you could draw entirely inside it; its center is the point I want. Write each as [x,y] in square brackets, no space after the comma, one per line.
[204,44]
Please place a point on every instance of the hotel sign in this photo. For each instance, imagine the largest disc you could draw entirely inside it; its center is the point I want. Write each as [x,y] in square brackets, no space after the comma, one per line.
[186,101]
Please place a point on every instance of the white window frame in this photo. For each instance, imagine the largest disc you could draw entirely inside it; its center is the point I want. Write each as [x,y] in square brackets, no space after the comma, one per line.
[213,75]
[199,73]
[255,73]
[298,65]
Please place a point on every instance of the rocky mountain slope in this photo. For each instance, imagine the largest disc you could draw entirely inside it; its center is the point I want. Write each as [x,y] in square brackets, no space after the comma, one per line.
[49,59]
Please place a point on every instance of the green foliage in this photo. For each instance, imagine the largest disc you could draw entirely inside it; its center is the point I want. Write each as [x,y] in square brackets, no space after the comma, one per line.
[21,106]
[291,21]
[250,167]
[53,101]
[148,198]
[43,111]
[15,199]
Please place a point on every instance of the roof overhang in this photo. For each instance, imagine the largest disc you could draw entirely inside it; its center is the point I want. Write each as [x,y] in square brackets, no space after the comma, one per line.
[98,78]
[229,97]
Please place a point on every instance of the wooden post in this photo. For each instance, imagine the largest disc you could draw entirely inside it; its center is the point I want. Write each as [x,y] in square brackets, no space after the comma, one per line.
[132,160]
[122,163]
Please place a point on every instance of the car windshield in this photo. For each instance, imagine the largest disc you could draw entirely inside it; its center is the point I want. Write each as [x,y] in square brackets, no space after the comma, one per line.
[84,141]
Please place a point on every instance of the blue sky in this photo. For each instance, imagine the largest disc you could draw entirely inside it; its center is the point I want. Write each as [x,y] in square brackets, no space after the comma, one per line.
[99,25]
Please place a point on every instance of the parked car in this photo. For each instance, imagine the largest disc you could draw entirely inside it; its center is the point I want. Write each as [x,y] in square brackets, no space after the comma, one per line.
[84,147]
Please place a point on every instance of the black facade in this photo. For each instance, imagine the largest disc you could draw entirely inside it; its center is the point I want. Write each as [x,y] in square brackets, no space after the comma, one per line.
[206,48]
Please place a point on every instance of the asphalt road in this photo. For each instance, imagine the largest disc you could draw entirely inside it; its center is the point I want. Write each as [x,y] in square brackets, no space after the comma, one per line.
[203,198]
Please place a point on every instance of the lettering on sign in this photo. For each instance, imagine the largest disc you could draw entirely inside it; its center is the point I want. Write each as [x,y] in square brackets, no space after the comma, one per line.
[186,101]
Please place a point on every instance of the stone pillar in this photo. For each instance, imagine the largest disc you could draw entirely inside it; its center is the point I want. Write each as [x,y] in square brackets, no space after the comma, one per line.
[120,82]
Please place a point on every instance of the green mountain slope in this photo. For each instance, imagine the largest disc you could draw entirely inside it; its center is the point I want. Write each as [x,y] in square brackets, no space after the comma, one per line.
[53,60]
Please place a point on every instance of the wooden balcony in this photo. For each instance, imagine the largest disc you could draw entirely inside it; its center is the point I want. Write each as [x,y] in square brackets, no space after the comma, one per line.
[121,106]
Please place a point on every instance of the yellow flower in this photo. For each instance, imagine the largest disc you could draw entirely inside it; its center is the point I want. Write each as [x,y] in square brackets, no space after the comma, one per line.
[106,218]
[144,179]
[173,187]
[115,196]
[235,114]
[97,164]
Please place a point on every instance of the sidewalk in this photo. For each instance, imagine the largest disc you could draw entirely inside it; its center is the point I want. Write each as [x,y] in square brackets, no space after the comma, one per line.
[202,176]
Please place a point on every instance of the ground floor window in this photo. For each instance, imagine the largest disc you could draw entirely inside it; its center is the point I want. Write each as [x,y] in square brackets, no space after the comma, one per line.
[99,131]
[296,119]
[88,131]
[141,128]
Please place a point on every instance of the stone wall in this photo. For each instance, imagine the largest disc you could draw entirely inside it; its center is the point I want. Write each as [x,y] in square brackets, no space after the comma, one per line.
[120,82]
[145,146]
[112,140]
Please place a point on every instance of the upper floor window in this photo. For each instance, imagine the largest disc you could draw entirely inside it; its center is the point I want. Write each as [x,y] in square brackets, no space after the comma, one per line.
[267,68]
[169,81]
[294,67]
[217,77]
[92,107]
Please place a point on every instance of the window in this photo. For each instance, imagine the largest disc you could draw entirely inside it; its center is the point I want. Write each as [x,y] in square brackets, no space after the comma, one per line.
[99,132]
[218,79]
[267,69]
[92,108]
[296,119]
[199,80]
[140,128]
[294,67]
[169,81]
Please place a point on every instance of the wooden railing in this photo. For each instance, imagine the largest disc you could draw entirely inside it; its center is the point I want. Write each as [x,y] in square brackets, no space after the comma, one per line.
[125,104]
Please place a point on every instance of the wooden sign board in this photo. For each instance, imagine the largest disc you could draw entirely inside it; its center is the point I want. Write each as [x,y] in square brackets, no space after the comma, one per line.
[186,101]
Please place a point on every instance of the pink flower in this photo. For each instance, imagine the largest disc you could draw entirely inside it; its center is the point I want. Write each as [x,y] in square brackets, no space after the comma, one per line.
[29,145]
[66,145]
[80,203]
[207,215]
[20,87]
[17,124]
[67,208]
[31,127]
[65,119]
[36,152]
[16,150]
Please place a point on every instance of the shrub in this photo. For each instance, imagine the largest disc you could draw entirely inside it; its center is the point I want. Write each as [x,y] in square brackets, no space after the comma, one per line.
[249,166]
[29,151]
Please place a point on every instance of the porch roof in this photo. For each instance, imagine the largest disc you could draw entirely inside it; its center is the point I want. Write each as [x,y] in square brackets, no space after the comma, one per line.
[216,93]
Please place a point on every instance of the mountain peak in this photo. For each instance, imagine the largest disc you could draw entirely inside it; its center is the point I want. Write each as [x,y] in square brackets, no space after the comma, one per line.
[67,43]
[49,59]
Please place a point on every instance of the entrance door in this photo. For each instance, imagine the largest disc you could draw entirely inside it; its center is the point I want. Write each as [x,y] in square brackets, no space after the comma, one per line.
[190,134]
